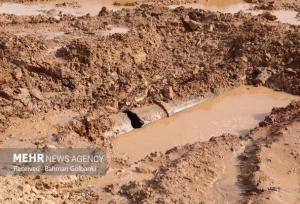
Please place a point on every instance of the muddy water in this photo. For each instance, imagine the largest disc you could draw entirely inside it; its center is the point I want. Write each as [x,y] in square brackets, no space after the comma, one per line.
[287,17]
[283,16]
[24,132]
[228,6]
[74,7]
[228,180]
[236,112]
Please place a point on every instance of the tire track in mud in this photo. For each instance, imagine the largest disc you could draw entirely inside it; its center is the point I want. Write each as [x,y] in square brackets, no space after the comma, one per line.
[248,163]
[226,186]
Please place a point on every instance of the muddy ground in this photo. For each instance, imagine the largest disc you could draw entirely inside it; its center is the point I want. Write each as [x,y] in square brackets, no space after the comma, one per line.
[61,78]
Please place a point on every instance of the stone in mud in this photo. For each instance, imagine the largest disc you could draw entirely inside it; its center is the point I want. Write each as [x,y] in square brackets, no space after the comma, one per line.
[53,12]
[103,11]
[269,16]
[18,73]
[168,92]
[290,71]
[191,25]
[22,93]
[262,77]
[144,169]
[111,109]
[197,70]
[37,94]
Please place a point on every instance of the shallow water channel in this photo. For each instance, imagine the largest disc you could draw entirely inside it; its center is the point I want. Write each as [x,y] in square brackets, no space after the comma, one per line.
[236,111]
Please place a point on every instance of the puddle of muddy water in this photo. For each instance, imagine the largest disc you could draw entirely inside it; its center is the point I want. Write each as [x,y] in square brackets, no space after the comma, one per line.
[24,132]
[287,17]
[236,111]
[283,16]
[76,7]
[227,6]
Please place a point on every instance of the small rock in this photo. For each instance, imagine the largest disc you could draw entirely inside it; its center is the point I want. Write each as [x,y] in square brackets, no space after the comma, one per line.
[263,77]
[18,73]
[196,70]
[268,55]
[65,196]
[111,109]
[269,16]
[157,77]
[191,24]
[168,92]
[103,11]
[290,71]
[52,12]
[244,59]
[57,18]
[50,146]
[22,93]
[144,169]
[37,94]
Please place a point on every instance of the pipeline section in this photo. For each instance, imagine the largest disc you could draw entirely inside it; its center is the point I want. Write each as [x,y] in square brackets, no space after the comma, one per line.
[123,124]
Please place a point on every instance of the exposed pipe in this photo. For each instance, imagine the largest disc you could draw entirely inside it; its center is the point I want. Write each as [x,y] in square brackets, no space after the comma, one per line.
[136,118]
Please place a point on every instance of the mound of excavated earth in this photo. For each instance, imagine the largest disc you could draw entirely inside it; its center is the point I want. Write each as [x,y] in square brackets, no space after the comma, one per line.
[166,55]
[62,77]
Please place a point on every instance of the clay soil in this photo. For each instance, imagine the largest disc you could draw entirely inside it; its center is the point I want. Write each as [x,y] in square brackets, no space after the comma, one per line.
[61,79]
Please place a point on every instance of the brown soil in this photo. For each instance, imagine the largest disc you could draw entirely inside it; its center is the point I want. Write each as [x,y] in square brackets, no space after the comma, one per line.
[187,52]
[55,65]
[268,167]
[266,171]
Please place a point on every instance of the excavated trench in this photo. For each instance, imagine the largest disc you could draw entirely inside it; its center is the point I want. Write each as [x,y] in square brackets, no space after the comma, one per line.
[236,111]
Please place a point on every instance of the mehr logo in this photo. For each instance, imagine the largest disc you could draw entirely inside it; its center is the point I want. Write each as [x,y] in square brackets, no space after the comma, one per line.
[28,157]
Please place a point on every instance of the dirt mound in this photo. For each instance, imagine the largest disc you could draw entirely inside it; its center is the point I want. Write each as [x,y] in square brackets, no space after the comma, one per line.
[187,51]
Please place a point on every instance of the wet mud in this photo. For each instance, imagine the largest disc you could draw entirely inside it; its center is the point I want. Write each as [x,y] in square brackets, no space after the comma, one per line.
[72,73]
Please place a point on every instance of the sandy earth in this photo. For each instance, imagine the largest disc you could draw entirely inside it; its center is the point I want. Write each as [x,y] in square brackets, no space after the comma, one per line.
[61,78]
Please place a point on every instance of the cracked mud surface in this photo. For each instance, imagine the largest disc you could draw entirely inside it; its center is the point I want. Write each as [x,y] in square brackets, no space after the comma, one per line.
[62,77]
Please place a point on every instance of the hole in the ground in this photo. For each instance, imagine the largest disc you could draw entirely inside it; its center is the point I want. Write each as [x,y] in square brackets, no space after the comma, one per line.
[136,122]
